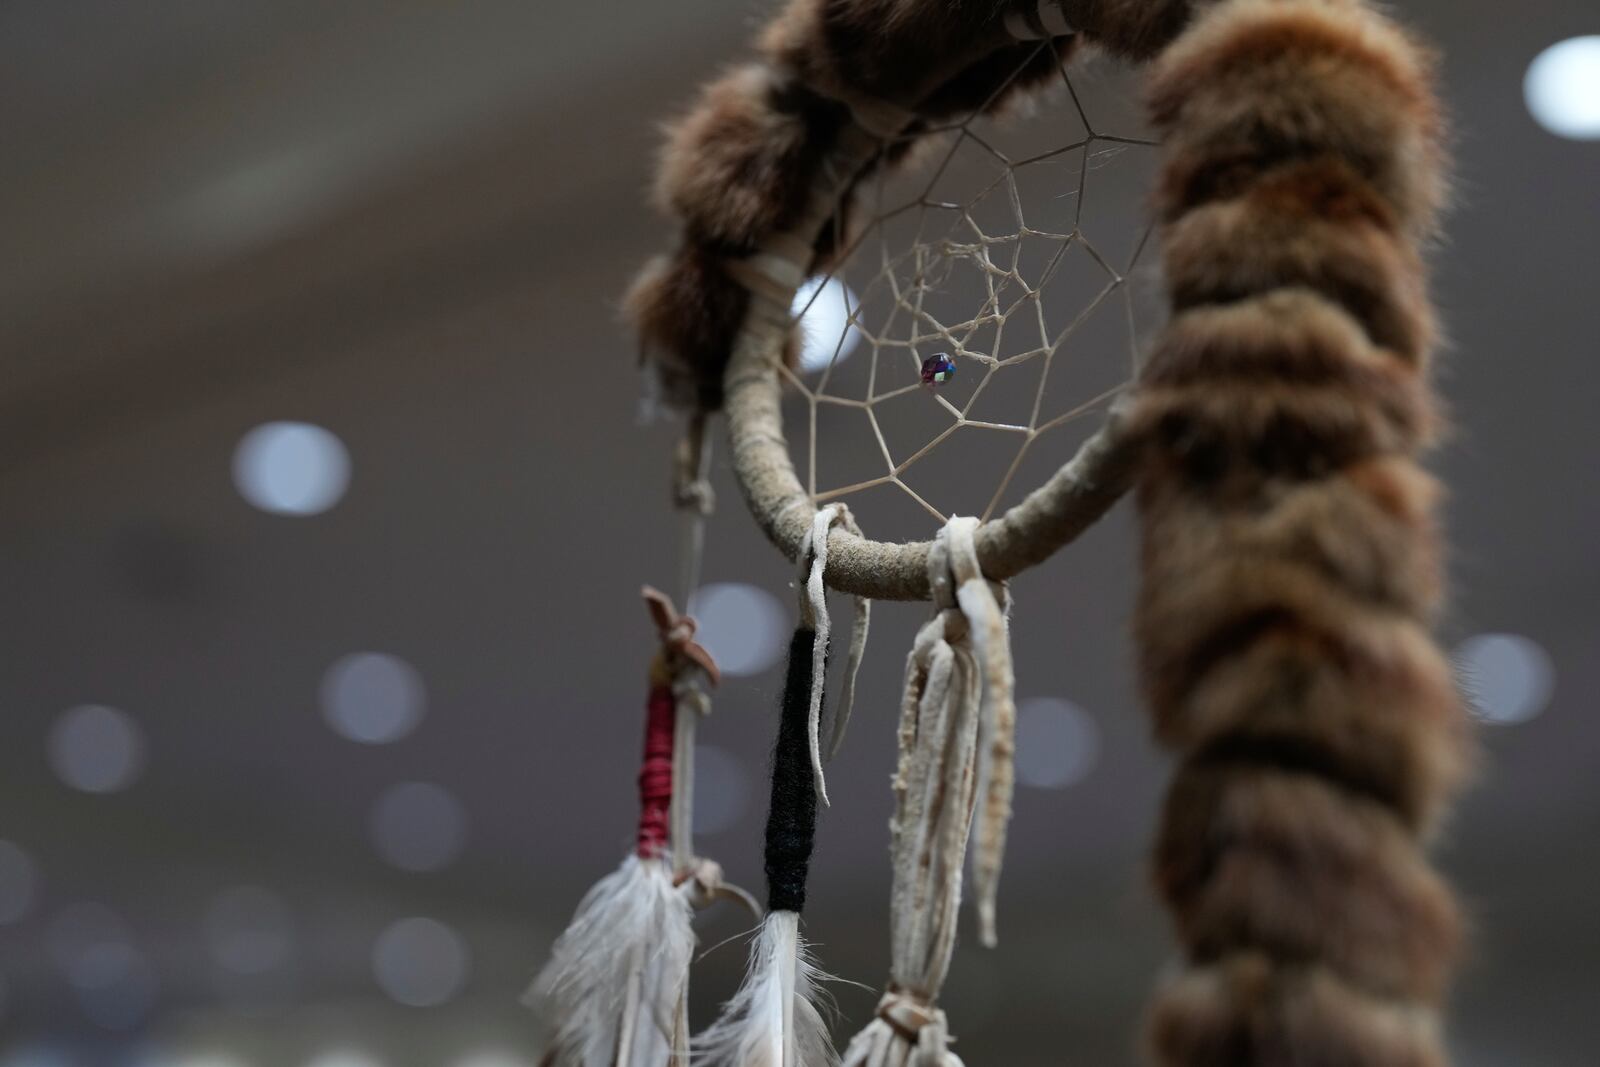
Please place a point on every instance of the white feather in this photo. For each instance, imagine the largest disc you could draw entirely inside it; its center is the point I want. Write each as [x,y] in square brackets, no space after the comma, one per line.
[619,970]
[774,1019]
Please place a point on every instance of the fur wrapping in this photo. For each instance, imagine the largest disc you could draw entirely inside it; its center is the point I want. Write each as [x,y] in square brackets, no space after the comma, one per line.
[887,49]
[741,163]
[688,311]
[612,988]
[1291,558]
[774,1019]
[945,60]
[1232,96]
[1134,29]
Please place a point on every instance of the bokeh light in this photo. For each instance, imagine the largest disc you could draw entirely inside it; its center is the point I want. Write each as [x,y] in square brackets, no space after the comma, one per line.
[418,826]
[37,1055]
[372,697]
[19,882]
[344,1057]
[116,986]
[420,962]
[1562,88]
[1058,743]
[1506,678]
[248,929]
[205,1059]
[823,321]
[124,1002]
[492,1058]
[291,468]
[90,944]
[742,626]
[96,749]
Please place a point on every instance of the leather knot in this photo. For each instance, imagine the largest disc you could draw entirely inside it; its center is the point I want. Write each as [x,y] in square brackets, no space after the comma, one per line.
[921,1025]
[907,1013]
[677,634]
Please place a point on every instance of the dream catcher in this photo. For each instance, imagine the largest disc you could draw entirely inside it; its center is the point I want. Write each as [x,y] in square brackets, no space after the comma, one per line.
[1270,425]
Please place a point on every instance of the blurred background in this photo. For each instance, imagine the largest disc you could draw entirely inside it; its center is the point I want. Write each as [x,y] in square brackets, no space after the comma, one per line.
[326,503]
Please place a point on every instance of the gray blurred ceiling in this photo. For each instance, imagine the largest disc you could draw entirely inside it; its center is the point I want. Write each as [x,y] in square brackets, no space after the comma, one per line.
[408,222]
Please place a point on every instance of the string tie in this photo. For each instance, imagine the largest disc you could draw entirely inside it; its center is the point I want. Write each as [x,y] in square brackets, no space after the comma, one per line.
[683,668]
[921,1025]
[691,489]
[655,772]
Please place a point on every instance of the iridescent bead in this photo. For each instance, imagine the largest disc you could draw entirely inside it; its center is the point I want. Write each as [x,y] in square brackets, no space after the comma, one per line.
[938,368]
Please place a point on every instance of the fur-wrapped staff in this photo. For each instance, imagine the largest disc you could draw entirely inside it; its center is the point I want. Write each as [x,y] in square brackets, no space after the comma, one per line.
[935,789]
[617,979]
[773,1020]
[1291,553]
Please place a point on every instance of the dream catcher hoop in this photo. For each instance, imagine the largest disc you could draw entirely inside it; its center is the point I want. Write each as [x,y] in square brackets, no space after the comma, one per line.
[1271,428]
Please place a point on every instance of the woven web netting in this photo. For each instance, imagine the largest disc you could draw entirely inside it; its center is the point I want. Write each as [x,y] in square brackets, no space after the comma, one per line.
[1017,247]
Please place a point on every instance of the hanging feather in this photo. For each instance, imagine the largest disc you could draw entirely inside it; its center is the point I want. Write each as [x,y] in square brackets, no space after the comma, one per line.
[774,1019]
[617,979]
[610,988]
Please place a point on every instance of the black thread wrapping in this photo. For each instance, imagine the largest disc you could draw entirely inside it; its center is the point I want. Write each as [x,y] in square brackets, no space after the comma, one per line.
[792,818]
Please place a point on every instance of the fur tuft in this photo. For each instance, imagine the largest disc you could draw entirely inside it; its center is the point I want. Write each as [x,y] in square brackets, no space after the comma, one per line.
[687,312]
[775,1019]
[629,945]
[741,163]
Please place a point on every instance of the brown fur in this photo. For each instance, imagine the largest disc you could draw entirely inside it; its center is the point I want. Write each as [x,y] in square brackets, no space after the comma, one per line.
[998,81]
[741,163]
[1347,532]
[1311,225]
[1135,29]
[1281,665]
[1296,868]
[898,50]
[1287,381]
[1276,84]
[1247,1011]
[1291,560]
[687,311]
[945,60]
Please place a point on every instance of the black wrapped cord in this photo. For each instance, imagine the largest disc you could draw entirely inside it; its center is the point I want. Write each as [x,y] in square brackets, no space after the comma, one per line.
[792,818]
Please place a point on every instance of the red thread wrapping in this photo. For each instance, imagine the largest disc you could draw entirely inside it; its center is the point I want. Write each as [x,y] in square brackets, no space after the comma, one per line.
[655,773]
